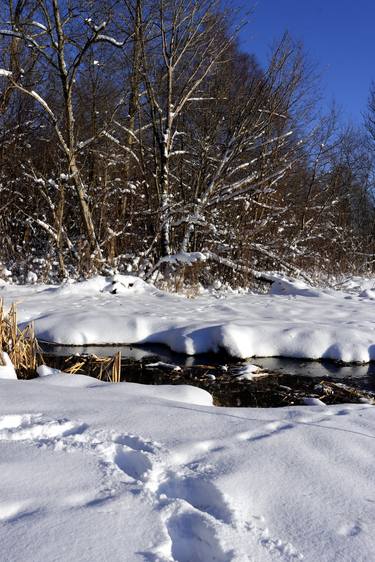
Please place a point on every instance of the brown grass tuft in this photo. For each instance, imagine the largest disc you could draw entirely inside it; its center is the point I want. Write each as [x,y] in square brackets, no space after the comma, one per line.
[21,345]
[102,368]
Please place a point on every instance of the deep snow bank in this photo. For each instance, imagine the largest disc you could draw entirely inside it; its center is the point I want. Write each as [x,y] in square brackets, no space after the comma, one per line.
[294,320]
[92,471]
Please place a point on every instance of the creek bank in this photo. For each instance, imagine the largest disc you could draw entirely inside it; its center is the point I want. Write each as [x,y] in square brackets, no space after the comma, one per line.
[229,384]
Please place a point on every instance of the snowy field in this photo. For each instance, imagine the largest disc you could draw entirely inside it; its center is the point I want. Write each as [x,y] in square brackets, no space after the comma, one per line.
[95,472]
[294,320]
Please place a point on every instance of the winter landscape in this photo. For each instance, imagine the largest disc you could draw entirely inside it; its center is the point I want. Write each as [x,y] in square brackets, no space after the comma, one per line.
[187,282]
[101,471]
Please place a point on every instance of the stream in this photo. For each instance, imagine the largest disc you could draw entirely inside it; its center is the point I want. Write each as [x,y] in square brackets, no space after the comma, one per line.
[280,381]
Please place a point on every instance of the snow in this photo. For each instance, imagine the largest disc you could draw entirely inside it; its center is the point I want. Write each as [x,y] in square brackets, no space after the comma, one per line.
[92,471]
[45,371]
[309,401]
[368,294]
[293,288]
[248,372]
[357,284]
[184,258]
[6,367]
[163,365]
[31,277]
[294,320]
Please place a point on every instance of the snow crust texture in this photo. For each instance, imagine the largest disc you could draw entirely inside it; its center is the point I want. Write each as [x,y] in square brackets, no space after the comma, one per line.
[116,472]
[294,320]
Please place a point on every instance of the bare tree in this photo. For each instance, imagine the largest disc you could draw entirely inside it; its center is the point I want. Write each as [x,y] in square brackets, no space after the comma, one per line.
[136,133]
[179,54]
[49,30]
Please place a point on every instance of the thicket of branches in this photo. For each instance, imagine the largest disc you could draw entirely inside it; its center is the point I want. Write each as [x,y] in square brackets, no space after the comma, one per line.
[136,135]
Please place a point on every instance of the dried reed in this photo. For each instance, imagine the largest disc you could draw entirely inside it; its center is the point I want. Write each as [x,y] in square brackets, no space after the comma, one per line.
[21,345]
[102,368]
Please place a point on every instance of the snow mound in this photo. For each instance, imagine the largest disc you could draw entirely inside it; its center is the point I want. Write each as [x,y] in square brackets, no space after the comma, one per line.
[127,285]
[357,285]
[283,339]
[294,288]
[295,320]
[7,370]
[310,401]
[54,377]
[184,258]
[45,371]
[368,294]
[116,284]
[180,393]
[175,393]
[247,372]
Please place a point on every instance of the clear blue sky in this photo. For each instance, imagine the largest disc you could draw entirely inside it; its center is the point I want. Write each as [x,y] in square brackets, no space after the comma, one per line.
[339,35]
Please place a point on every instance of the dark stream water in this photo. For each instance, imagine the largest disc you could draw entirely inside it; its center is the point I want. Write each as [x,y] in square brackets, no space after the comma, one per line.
[288,380]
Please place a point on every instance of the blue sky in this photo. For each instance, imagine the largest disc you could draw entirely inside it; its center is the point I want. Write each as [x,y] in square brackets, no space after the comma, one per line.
[339,35]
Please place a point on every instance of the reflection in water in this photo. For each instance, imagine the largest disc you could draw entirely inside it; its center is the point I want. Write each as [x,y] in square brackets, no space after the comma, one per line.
[140,352]
[315,369]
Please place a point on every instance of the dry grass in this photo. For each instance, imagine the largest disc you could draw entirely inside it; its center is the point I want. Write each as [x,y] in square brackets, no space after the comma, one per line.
[21,345]
[23,349]
[102,368]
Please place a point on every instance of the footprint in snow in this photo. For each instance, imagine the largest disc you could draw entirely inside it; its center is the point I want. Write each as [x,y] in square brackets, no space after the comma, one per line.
[264,432]
[194,539]
[134,442]
[350,529]
[36,427]
[200,494]
[131,462]
[195,508]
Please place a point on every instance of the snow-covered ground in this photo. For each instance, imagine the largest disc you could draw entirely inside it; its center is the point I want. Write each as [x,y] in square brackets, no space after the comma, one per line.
[294,320]
[94,472]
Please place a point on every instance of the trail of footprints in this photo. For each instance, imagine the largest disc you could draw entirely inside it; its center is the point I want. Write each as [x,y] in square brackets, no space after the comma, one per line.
[181,486]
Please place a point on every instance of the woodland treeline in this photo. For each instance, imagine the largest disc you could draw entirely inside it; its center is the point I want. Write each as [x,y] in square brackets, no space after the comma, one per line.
[135,135]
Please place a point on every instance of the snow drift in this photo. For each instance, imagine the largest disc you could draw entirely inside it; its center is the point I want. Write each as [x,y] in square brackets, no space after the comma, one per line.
[294,320]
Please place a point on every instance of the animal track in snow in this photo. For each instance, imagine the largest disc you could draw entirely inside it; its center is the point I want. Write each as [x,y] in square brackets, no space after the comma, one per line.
[35,427]
[264,431]
[134,442]
[200,523]
[117,455]
[132,462]
[194,539]
[201,494]
[350,529]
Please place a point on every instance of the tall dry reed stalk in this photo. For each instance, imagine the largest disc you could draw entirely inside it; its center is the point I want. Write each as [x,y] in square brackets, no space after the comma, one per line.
[102,368]
[23,349]
[21,345]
